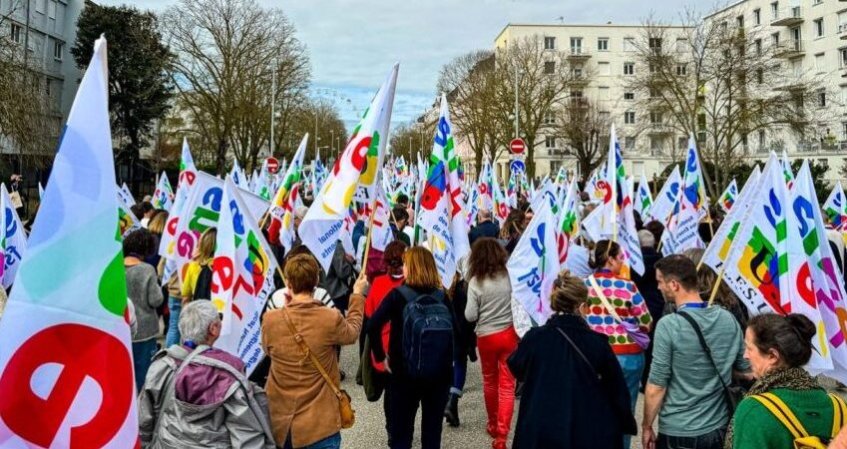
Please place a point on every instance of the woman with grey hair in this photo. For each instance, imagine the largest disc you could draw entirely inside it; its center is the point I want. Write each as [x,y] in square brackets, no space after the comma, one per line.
[197,393]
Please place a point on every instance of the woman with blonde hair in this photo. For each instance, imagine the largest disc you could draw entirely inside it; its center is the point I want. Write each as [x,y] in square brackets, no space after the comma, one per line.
[420,355]
[574,395]
[197,279]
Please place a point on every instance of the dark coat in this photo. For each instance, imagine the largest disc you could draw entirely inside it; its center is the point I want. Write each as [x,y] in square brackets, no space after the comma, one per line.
[485,229]
[564,405]
[647,284]
[465,336]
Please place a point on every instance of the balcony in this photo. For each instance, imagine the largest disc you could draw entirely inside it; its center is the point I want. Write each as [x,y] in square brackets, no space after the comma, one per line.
[578,54]
[790,49]
[558,152]
[788,17]
[579,80]
[657,128]
[842,29]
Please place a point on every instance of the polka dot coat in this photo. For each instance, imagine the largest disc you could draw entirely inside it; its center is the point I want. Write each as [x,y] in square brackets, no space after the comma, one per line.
[629,305]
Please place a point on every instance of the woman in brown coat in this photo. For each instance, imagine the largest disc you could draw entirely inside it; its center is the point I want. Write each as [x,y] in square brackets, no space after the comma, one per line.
[303,408]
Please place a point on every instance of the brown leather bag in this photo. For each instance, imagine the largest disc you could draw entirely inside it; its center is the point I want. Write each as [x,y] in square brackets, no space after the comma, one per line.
[345,407]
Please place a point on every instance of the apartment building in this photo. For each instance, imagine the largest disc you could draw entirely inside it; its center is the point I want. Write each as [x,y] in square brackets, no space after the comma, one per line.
[609,54]
[47,30]
[811,37]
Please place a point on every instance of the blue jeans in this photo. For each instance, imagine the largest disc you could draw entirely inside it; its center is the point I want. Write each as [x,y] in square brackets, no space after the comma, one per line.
[632,366]
[174,306]
[330,442]
[460,373]
[142,356]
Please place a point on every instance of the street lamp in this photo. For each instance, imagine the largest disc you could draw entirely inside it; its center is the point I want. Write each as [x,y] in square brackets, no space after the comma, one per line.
[273,105]
[518,73]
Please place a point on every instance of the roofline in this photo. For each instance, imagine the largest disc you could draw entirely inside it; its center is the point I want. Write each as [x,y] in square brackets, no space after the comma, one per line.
[724,9]
[580,25]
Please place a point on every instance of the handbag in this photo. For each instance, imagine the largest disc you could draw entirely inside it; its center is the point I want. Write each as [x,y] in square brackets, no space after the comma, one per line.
[345,407]
[732,394]
[641,338]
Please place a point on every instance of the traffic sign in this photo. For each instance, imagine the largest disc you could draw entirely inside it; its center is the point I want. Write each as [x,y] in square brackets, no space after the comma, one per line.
[517,165]
[518,146]
[273,164]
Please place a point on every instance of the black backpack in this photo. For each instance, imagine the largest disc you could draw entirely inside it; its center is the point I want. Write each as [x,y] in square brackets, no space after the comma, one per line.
[203,289]
[427,334]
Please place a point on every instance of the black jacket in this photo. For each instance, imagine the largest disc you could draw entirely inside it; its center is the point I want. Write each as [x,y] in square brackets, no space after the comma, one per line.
[564,405]
[647,284]
[485,229]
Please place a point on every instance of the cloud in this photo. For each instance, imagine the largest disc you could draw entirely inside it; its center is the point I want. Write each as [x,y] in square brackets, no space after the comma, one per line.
[353,43]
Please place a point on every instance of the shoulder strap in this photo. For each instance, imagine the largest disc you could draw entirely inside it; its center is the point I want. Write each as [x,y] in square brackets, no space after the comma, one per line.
[581,354]
[308,352]
[782,413]
[603,299]
[703,344]
[839,412]
[408,294]
[168,399]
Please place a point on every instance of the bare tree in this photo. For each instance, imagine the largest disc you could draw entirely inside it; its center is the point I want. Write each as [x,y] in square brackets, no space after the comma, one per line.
[585,131]
[722,83]
[30,115]
[322,121]
[226,54]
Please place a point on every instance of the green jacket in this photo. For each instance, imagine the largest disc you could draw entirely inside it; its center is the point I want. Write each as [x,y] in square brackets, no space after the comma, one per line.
[755,427]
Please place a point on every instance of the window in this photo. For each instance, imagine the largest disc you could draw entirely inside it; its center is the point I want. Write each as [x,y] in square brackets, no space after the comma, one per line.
[775,10]
[761,139]
[47,86]
[603,93]
[682,143]
[843,96]
[41,6]
[656,118]
[550,67]
[681,45]
[822,99]
[739,21]
[757,16]
[655,145]
[819,27]
[760,76]
[58,48]
[820,62]
[576,94]
[681,69]
[655,43]
[51,9]
[604,68]
[844,131]
[843,52]
[775,39]
[604,116]
[629,143]
[16,33]
[629,117]
[817,2]
[550,142]
[603,44]
[825,162]
[654,93]
[629,96]
[576,45]
[549,43]
[758,45]
[577,73]
[549,118]
[629,68]
[629,44]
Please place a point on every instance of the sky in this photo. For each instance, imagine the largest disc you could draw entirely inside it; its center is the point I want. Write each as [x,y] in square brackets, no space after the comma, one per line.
[353,43]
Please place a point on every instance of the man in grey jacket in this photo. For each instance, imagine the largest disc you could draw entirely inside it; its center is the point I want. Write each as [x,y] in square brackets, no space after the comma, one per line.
[198,396]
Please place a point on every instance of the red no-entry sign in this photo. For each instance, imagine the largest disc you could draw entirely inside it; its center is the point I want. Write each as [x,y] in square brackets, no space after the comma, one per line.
[273,164]
[517,146]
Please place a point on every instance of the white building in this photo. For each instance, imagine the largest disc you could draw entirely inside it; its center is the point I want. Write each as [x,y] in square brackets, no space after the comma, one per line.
[47,29]
[811,37]
[609,53]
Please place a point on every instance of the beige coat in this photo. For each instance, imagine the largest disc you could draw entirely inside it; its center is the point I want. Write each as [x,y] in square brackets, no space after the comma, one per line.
[300,401]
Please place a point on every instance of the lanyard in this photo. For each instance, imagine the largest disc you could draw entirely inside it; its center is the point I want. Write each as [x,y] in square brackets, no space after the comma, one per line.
[693,305]
[190,344]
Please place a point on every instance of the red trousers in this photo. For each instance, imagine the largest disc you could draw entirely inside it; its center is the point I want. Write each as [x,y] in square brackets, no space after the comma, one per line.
[497,381]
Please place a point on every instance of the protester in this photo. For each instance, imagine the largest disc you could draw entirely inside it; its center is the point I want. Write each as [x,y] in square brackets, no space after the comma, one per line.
[418,379]
[575,395]
[484,228]
[724,296]
[399,220]
[142,288]
[303,405]
[147,211]
[3,300]
[687,385]
[489,304]
[382,285]
[512,230]
[778,347]
[206,402]
[656,228]
[465,345]
[197,280]
[646,284]
[623,296]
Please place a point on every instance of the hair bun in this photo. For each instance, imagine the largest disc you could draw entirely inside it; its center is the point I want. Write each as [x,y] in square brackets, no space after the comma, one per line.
[804,326]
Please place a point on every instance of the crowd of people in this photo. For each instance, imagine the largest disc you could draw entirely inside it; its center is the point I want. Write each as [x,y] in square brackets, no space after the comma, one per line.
[711,376]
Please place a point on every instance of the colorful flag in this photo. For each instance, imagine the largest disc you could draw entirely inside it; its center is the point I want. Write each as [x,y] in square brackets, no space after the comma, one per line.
[718,249]
[357,167]
[682,230]
[124,196]
[643,198]
[728,196]
[243,269]
[666,201]
[569,222]
[281,229]
[620,206]
[442,206]
[835,208]
[237,175]
[534,265]
[163,197]
[66,370]
[381,234]
[485,187]
[187,169]
[786,170]
[13,242]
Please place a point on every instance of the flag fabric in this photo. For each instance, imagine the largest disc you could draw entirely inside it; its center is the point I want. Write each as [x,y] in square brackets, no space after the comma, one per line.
[237,174]
[243,270]
[127,221]
[40,191]
[718,249]
[357,167]
[786,170]
[485,187]
[728,196]
[534,265]
[66,370]
[569,222]
[666,201]
[501,206]
[281,229]
[381,234]
[643,198]
[124,196]
[835,208]
[163,197]
[442,206]
[187,169]
[682,231]
[511,191]
[621,208]
[13,242]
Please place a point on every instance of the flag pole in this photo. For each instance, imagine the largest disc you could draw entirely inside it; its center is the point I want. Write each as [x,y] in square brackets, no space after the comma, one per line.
[368,242]
[717,284]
